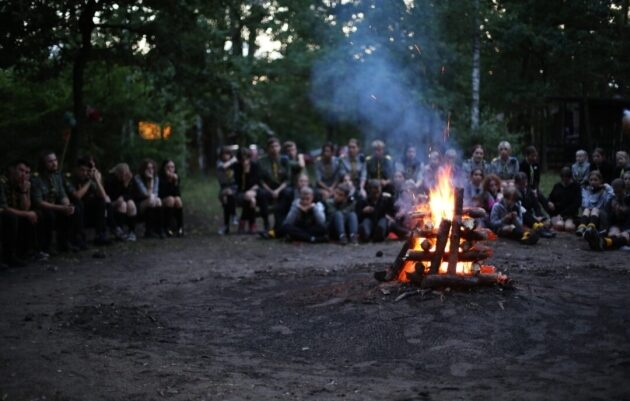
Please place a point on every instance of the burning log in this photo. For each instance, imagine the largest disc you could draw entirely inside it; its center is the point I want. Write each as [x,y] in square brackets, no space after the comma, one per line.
[474,212]
[459,281]
[472,255]
[442,238]
[455,231]
[400,259]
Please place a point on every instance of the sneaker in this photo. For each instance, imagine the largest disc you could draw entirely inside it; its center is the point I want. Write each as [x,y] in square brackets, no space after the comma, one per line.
[119,234]
[343,240]
[131,237]
[354,239]
[180,232]
[225,230]
[580,230]
[595,241]
[529,238]
[41,256]
[253,229]
[546,233]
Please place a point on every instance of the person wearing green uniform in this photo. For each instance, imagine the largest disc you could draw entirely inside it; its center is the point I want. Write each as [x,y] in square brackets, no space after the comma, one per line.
[275,176]
[380,166]
[52,204]
[19,220]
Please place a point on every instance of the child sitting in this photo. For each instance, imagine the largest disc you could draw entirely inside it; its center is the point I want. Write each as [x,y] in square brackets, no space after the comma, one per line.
[564,201]
[473,188]
[532,202]
[342,218]
[506,219]
[581,168]
[594,199]
[618,210]
[227,184]
[306,220]
[372,212]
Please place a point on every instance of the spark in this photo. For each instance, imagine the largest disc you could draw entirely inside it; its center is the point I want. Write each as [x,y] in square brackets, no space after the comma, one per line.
[418,49]
[447,130]
[443,69]
[373,97]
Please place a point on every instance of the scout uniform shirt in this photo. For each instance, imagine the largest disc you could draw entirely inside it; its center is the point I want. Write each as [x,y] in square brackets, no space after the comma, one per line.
[506,170]
[13,197]
[47,188]
[274,172]
[379,168]
[71,184]
[328,173]
[355,167]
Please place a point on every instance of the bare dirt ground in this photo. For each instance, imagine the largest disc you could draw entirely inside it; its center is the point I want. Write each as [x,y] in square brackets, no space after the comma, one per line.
[238,318]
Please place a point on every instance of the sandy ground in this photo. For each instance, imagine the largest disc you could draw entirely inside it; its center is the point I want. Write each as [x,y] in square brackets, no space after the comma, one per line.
[239,318]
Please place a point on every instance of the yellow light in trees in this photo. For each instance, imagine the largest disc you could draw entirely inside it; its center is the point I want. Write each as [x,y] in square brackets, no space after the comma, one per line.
[153,131]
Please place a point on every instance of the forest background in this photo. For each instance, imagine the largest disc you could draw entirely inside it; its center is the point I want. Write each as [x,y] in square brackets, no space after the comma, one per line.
[82,75]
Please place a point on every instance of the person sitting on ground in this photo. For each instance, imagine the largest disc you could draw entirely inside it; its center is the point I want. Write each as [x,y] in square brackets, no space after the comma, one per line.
[146,196]
[491,192]
[531,168]
[87,193]
[306,221]
[618,210]
[297,164]
[372,212]
[564,201]
[19,220]
[451,164]
[477,161]
[354,165]
[581,168]
[430,171]
[326,171]
[170,193]
[53,205]
[506,219]
[347,179]
[247,191]
[626,184]
[505,166]
[473,189]
[275,178]
[227,187]
[533,203]
[341,215]
[411,166]
[380,166]
[601,164]
[119,188]
[595,197]
[622,165]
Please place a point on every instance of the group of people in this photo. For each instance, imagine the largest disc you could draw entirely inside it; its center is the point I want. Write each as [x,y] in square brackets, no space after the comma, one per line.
[355,198]
[37,207]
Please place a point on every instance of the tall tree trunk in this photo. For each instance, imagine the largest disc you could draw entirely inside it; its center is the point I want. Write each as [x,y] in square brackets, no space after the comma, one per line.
[624,10]
[476,74]
[86,27]
[235,31]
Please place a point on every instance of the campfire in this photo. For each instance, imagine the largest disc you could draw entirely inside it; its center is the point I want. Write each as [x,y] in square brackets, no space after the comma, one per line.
[444,248]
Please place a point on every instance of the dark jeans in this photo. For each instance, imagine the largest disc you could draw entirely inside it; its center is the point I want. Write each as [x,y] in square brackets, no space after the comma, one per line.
[18,236]
[282,206]
[89,213]
[50,221]
[374,230]
[300,232]
[344,224]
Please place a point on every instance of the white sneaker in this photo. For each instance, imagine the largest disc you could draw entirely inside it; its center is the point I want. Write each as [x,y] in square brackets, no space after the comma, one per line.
[131,237]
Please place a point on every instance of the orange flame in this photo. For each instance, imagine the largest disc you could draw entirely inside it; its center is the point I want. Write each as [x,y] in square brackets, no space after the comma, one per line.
[442,197]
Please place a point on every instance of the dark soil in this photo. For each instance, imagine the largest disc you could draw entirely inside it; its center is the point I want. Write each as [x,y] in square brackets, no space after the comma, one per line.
[237,318]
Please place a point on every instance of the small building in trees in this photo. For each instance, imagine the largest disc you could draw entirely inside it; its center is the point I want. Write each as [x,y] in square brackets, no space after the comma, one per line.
[571,123]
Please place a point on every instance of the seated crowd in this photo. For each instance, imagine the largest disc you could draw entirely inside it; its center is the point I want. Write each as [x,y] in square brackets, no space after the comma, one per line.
[37,208]
[356,198]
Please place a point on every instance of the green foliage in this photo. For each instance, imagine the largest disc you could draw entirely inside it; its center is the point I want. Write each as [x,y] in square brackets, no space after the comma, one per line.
[492,129]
